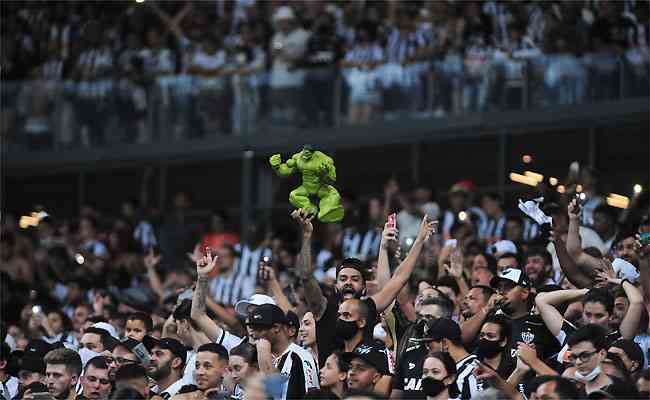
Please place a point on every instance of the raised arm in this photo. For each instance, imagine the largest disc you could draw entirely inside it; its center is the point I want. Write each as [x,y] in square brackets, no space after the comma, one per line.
[273,288]
[280,168]
[471,327]
[150,263]
[573,241]
[547,301]
[203,267]
[573,273]
[630,322]
[305,266]
[388,237]
[403,272]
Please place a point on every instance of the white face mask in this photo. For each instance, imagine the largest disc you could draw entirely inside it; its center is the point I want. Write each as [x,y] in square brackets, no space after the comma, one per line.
[379,333]
[86,355]
[590,376]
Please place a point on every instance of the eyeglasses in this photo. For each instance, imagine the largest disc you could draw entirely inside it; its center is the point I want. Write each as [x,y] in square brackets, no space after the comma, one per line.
[583,357]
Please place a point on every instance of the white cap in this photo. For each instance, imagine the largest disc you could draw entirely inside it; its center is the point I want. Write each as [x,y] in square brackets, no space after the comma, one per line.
[625,270]
[108,328]
[283,12]
[503,246]
[256,300]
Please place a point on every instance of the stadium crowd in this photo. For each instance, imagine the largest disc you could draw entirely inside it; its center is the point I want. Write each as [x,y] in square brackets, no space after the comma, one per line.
[410,297]
[78,72]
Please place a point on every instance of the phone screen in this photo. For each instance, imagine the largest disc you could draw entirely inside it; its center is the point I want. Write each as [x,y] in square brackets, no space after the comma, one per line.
[392,221]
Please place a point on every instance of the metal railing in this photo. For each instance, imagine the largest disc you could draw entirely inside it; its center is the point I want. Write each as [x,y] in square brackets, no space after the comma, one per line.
[51,116]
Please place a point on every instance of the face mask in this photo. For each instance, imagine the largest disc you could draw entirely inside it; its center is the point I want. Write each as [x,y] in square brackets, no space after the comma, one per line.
[488,348]
[86,355]
[379,333]
[590,376]
[346,329]
[432,387]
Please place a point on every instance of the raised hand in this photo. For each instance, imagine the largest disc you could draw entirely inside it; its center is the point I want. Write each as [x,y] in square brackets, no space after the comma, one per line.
[275,160]
[304,220]
[455,268]
[205,264]
[151,260]
[574,209]
[605,274]
[389,237]
[427,228]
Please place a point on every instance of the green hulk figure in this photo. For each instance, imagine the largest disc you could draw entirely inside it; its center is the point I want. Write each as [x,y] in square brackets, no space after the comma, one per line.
[318,172]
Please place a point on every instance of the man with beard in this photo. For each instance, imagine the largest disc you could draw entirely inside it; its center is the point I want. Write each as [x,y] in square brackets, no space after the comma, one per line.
[539,267]
[95,381]
[350,325]
[277,354]
[367,367]
[350,283]
[62,371]
[211,365]
[479,303]
[168,357]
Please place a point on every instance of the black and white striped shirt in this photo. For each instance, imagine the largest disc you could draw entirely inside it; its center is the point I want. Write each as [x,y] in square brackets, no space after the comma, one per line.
[364,53]
[362,246]
[465,378]
[240,284]
[401,46]
[492,228]
[298,367]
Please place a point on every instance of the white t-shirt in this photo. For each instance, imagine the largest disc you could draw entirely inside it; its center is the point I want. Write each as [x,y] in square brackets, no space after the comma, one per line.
[293,44]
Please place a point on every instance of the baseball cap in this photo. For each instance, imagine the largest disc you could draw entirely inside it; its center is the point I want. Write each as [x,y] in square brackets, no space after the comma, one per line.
[438,329]
[353,263]
[503,247]
[170,344]
[512,275]
[292,320]
[31,362]
[374,354]
[40,347]
[465,186]
[140,350]
[110,329]
[266,315]
[283,13]
[256,300]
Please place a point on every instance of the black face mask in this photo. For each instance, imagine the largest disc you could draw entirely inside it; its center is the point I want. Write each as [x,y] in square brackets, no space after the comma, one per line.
[432,387]
[346,329]
[488,348]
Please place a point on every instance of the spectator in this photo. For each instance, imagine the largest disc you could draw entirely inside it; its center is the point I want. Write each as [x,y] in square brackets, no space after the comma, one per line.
[138,325]
[288,47]
[242,363]
[10,383]
[168,358]
[63,369]
[588,347]
[211,365]
[333,376]
[367,366]
[438,376]
[95,382]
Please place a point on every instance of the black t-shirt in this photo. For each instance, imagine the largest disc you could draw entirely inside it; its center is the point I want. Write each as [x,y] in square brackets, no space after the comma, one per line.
[532,330]
[326,327]
[408,375]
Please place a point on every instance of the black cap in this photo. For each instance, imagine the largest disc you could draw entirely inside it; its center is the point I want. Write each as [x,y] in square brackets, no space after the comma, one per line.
[32,362]
[511,275]
[266,315]
[170,344]
[40,347]
[374,354]
[353,263]
[292,320]
[438,329]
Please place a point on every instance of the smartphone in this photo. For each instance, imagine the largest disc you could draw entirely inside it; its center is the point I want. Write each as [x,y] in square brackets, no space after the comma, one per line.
[451,242]
[392,221]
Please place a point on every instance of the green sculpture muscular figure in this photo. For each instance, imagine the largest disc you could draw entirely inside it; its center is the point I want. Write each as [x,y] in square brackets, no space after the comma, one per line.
[318,172]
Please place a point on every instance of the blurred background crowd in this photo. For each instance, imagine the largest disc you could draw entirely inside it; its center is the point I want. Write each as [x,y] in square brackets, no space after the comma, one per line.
[91,74]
